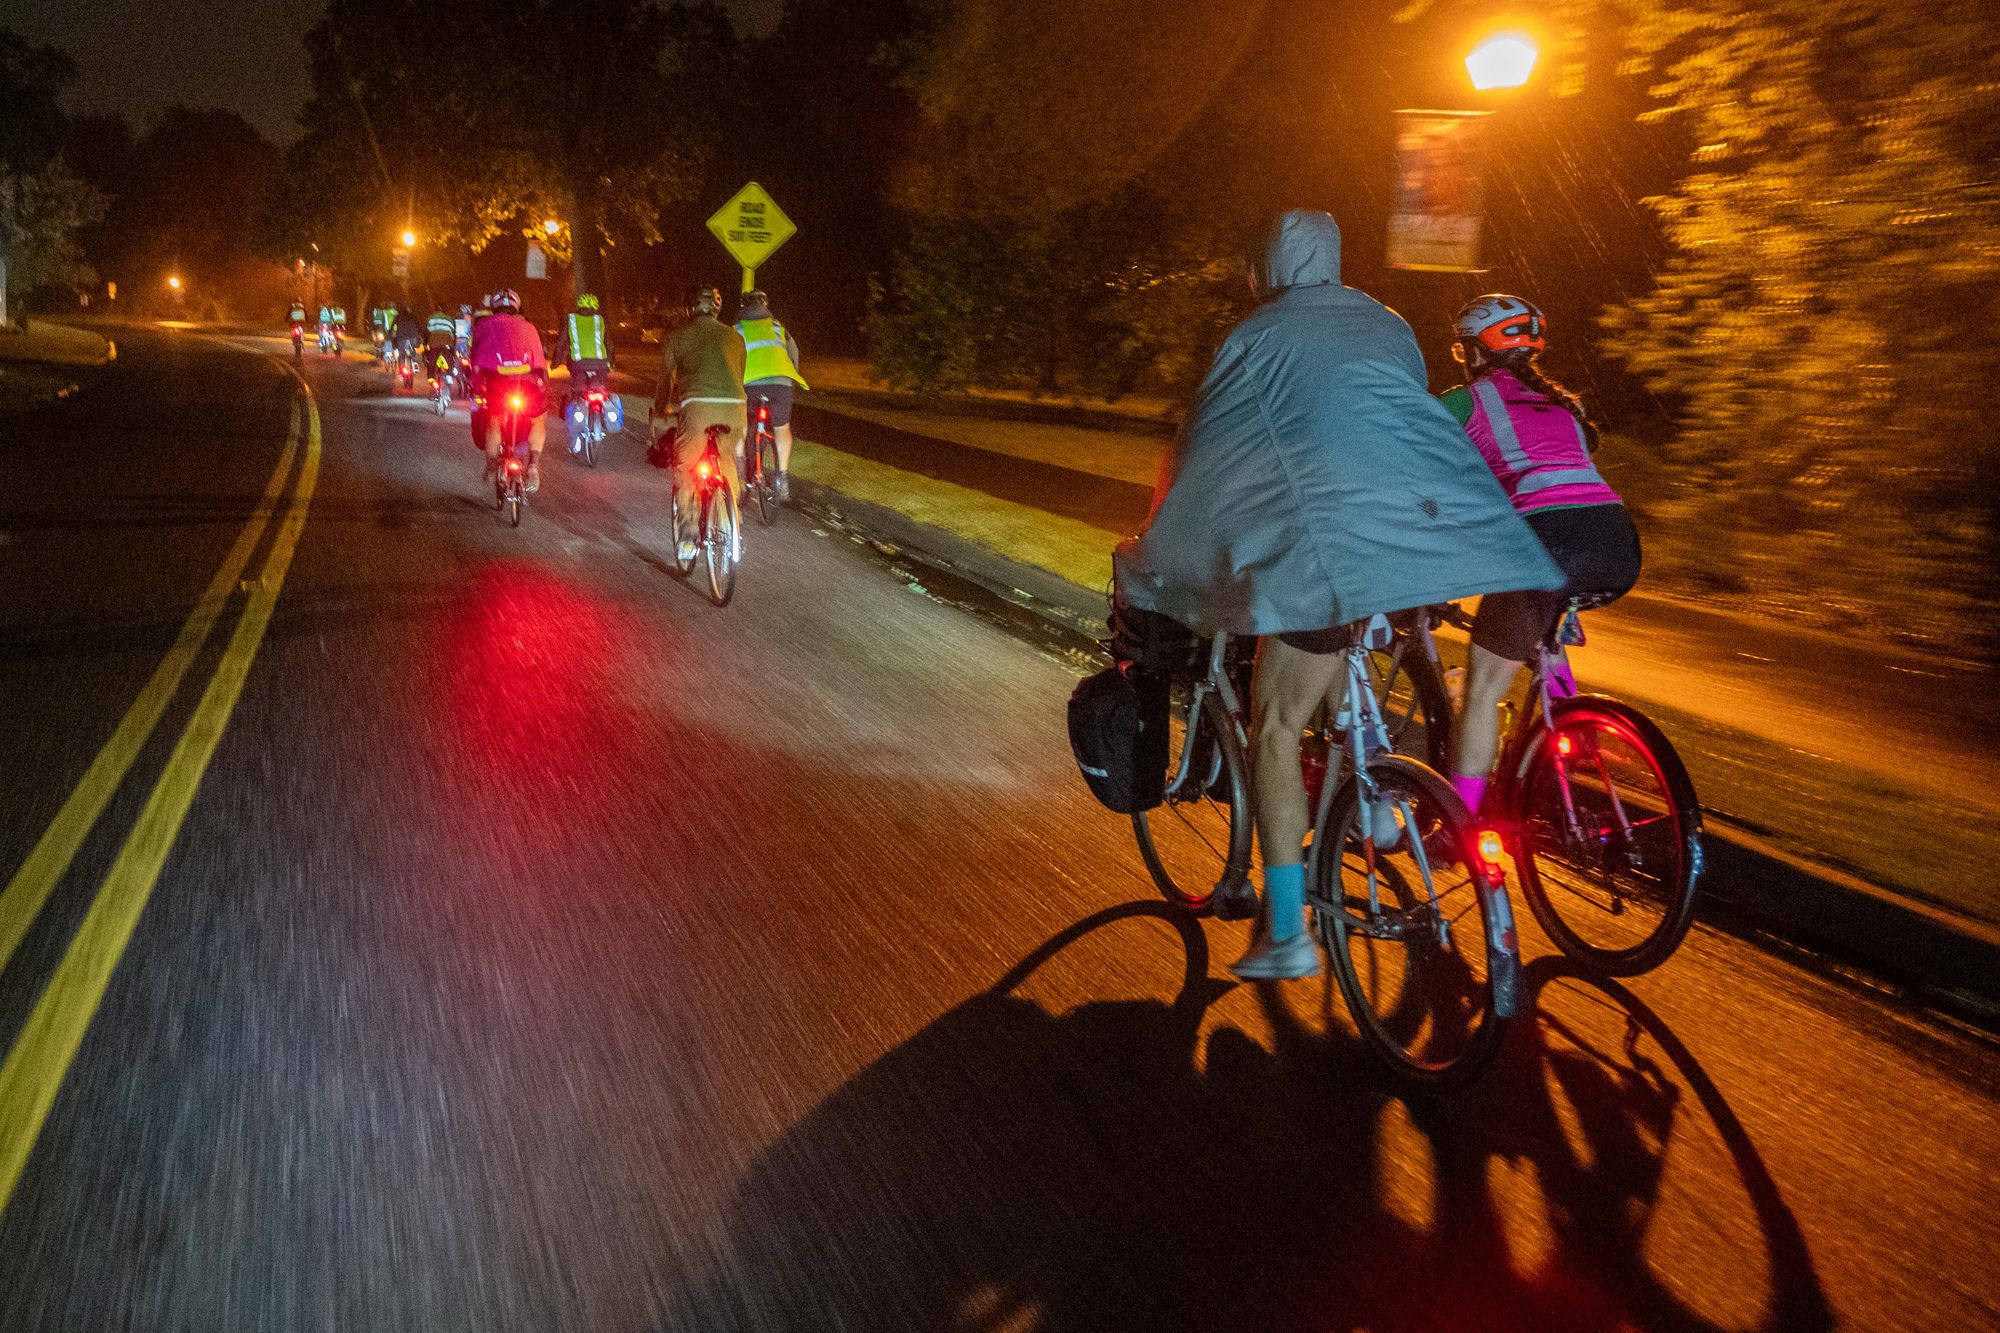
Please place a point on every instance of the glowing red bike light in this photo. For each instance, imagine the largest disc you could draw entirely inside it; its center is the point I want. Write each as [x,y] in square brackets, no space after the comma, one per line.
[701,470]
[515,401]
[1563,746]
[1492,847]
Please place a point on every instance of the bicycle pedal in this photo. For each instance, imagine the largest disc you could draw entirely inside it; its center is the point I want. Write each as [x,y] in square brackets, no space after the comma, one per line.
[1235,900]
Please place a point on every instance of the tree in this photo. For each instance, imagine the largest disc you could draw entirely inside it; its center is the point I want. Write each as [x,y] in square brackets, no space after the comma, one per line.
[533,109]
[42,205]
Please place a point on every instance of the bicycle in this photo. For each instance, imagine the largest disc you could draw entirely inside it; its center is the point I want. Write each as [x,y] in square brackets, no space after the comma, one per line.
[298,344]
[443,377]
[1394,865]
[718,545]
[583,415]
[1597,810]
[760,457]
[510,481]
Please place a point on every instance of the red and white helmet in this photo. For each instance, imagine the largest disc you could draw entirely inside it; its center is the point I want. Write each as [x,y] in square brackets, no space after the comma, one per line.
[506,299]
[1499,323]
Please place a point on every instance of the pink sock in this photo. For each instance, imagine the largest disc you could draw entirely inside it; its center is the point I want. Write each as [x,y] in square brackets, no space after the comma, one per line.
[1470,789]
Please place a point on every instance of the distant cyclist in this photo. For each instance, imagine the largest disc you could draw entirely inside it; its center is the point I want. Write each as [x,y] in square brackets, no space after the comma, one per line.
[701,374]
[408,335]
[440,343]
[1537,439]
[462,328]
[770,374]
[506,353]
[584,344]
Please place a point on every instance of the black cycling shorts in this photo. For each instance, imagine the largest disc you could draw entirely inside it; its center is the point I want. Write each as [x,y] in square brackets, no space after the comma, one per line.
[777,397]
[1597,549]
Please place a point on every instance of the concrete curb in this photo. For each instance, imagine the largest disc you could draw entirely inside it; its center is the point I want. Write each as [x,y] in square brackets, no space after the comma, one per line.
[1947,959]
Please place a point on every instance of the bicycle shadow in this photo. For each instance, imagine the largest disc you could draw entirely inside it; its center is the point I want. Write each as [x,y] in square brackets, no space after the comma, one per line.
[1012,1167]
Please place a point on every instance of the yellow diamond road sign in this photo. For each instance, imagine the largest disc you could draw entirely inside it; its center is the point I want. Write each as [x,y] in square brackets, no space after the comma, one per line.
[751,226]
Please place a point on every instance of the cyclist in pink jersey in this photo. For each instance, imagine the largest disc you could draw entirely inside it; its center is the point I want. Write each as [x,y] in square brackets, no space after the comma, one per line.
[1538,441]
[506,351]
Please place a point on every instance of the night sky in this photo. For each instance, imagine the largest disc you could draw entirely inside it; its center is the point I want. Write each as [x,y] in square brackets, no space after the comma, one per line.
[247,56]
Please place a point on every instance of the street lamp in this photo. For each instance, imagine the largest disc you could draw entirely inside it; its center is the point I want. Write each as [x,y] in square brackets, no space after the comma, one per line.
[550,226]
[409,238]
[174,281]
[1504,60]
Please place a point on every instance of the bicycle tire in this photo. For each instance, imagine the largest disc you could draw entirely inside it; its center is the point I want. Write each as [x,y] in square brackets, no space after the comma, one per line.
[718,533]
[767,479]
[1441,1027]
[589,445]
[1420,721]
[516,501]
[1574,914]
[1185,877]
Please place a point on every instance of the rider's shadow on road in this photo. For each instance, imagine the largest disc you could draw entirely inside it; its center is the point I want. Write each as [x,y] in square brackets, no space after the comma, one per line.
[1103,1168]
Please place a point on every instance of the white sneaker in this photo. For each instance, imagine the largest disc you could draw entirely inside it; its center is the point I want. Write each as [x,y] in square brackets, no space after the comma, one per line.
[687,550]
[1284,960]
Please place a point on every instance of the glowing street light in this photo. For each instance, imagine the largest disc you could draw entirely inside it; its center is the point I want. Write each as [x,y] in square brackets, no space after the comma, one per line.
[550,226]
[409,238]
[1504,60]
[174,281]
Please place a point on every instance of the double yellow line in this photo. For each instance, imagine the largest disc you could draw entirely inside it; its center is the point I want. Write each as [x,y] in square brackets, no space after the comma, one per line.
[41,1055]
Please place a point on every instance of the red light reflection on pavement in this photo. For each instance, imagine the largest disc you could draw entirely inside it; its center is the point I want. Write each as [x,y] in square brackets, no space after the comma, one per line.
[534,669]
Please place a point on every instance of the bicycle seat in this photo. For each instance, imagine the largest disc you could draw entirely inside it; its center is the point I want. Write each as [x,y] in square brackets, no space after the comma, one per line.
[715,434]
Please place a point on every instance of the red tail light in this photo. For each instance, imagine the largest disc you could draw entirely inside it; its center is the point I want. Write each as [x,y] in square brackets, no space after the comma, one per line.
[513,465]
[596,397]
[516,401]
[763,412]
[1492,847]
[297,330]
[701,470]
[1563,746]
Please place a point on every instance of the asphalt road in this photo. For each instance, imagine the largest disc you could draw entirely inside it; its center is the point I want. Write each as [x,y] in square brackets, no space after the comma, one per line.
[543,948]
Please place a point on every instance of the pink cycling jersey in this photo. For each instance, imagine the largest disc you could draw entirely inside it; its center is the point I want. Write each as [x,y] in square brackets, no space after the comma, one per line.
[1534,446]
[508,344]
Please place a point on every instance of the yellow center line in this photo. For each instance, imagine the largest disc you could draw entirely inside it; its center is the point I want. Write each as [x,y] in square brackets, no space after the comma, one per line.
[41,1057]
[21,901]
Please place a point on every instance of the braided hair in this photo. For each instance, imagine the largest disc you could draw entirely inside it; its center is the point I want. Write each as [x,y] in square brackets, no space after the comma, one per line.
[1525,364]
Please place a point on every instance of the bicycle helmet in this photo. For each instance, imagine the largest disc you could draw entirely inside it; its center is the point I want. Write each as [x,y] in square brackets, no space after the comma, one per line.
[704,300]
[585,301]
[1500,323]
[506,299]
[465,310]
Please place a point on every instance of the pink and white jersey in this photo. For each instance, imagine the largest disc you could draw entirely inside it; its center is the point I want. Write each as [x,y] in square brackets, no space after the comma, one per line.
[508,344]
[1534,446]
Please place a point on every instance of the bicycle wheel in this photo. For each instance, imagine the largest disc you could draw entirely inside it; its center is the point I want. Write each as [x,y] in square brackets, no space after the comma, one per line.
[767,479]
[1196,842]
[1423,949]
[718,545]
[589,442]
[1610,872]
[516,500]
[1410,690]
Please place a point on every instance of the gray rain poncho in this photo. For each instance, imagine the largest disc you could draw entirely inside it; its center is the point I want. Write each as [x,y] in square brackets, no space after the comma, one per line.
[1316,481]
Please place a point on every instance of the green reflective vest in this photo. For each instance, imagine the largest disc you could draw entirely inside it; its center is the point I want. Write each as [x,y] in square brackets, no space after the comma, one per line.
[586,338]
[765,355]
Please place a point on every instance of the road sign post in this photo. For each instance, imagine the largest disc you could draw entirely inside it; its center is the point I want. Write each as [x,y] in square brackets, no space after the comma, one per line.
[751,227]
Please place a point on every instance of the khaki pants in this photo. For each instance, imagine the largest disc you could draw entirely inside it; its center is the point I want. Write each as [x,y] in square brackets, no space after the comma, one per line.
[691,438]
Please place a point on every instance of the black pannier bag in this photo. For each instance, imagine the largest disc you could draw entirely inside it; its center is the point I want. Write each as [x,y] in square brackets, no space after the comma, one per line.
[1118,732]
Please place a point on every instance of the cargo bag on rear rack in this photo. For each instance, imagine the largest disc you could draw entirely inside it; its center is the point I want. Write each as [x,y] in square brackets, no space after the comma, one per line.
[1118,732]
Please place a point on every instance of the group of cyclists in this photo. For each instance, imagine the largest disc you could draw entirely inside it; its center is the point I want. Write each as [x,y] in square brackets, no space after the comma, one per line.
[1317,483]
[331,324]
[711,374]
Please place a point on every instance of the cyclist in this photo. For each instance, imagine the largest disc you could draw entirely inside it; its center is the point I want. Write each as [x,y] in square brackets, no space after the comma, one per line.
[770,374]
[462,328]
[507,351]
[440,343]
[339,313]
[381,320]
[1537,440]
[583,345]
[701,374]
[408,335]
[1315,483]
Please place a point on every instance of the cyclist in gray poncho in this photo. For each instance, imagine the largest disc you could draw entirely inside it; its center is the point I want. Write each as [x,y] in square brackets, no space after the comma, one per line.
[1315,483]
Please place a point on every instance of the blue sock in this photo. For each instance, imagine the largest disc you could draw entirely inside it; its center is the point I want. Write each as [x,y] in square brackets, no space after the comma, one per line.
[1285,899]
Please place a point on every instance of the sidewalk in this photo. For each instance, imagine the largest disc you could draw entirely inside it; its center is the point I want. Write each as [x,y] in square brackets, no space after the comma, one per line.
[37,356]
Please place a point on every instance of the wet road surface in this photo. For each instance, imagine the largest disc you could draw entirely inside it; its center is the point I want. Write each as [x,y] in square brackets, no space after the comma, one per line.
[544,948]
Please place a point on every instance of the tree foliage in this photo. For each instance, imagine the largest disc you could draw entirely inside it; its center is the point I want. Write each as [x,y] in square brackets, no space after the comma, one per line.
[462,120]
[42,203]
[1829,319]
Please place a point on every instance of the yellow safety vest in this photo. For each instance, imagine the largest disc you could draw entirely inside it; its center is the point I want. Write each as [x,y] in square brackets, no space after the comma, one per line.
[586,337]
[765,356]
